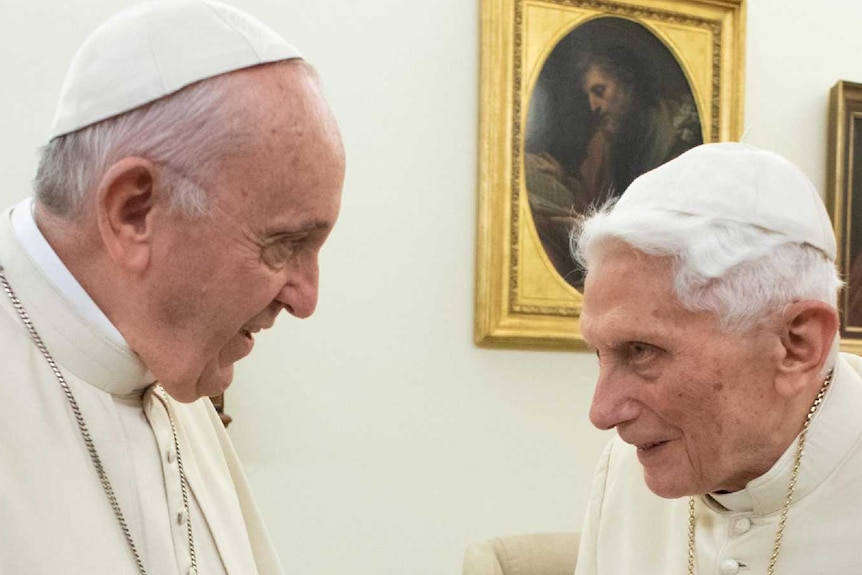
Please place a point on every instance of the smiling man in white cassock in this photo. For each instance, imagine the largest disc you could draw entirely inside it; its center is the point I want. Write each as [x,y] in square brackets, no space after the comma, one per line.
[710,301]
[193,172]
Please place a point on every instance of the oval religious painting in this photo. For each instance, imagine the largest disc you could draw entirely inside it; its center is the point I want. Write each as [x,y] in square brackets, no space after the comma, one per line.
[610,103]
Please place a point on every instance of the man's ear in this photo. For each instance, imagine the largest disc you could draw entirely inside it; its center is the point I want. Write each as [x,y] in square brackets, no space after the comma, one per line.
[125,201]
[808,330]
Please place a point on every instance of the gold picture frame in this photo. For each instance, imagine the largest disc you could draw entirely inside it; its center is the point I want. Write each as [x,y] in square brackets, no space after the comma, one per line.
[522,299]
[844,202]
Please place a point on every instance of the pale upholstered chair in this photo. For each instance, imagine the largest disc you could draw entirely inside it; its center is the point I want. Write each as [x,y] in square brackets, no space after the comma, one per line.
[531,554]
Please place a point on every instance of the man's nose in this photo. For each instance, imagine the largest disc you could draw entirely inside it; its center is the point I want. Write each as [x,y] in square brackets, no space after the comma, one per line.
[595,104]
[299,293]
[613,402]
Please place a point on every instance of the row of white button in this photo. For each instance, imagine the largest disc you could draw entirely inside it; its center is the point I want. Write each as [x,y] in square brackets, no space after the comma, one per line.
[738,526]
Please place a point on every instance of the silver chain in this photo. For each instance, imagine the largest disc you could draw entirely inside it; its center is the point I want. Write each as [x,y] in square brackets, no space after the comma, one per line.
[791,487]
[88,440]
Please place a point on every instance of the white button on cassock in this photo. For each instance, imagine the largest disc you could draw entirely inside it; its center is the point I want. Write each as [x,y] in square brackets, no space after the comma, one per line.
[741,525]
[729,566]
[172,455]
[181,516]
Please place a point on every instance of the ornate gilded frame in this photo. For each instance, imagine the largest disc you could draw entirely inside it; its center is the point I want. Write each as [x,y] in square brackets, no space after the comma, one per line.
[844,201]
[520,301]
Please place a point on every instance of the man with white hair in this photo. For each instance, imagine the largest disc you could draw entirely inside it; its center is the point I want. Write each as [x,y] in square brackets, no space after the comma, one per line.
[710,301]
[194,171]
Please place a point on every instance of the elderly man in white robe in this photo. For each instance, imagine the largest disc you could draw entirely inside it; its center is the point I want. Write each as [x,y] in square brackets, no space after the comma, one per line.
[710,301]
[193,172]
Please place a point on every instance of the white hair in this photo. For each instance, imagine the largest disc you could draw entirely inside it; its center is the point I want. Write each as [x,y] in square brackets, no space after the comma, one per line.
[741,273]
[186,134]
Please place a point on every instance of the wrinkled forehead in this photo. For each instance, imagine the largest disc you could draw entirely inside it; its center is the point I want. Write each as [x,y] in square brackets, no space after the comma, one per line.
[608,249]
[620,272]
[631,296]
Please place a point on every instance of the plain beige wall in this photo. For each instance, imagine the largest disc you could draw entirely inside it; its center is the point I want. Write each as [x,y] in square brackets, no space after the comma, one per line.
[378,439]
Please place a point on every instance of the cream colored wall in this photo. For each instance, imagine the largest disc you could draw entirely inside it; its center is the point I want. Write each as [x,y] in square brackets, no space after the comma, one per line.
[378,439]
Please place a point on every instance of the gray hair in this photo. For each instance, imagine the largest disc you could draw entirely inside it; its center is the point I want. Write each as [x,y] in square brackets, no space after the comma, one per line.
[741,273]
[187,134]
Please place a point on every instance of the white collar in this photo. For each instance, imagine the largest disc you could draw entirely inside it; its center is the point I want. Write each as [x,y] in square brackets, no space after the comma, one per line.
[37,247]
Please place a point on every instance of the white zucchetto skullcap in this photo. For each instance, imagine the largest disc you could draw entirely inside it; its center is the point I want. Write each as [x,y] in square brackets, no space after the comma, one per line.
[736,182]
[156,48]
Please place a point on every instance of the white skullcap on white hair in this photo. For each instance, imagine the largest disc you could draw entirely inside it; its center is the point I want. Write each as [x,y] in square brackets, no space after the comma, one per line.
[155,48]
[736,182]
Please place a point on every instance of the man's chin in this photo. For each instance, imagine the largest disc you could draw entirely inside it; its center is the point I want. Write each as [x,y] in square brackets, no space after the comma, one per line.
[667,484]
[212,381]
[667,491]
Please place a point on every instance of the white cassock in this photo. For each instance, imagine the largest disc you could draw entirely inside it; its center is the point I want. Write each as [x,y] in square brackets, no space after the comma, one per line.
[630,530]
[54,514]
